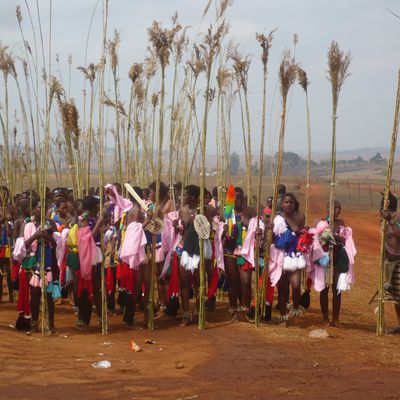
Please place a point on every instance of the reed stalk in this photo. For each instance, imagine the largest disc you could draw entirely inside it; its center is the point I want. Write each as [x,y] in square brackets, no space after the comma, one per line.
[241,66]
[112,47]
[265,43]
[89,73]
[161,40]
[7,66]
[338,71]
[287,76]
[177,46]
[101,155]
[304,82]
[211,48]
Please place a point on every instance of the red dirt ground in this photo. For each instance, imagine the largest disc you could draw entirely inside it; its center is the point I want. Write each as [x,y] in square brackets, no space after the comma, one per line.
[224,361]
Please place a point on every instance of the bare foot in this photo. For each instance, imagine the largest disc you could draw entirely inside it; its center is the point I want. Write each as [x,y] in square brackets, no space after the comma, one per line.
[326,323]
[53,331]
[334,324]
[248,319]
[283,321]
[282,324]
[234,318]
[186,320]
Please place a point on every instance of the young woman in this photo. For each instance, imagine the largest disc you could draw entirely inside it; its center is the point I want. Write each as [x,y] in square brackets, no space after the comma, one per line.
[28,250]
[164,207]
[288,227]
[188,249]
[238,271]
[392,257]
[343,260]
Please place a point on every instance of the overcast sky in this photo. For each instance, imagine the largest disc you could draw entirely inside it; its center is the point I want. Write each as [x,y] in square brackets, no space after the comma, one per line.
[364,27]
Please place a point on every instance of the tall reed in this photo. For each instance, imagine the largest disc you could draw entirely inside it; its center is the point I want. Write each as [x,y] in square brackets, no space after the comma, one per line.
[265,43]
[338,64]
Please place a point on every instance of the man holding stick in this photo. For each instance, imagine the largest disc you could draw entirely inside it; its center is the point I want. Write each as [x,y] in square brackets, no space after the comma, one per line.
[392,257]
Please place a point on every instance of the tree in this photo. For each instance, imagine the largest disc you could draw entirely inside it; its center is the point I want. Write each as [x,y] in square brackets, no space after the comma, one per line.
[377,159]
[291,159]
[359,160]
[254,169]
[234,163]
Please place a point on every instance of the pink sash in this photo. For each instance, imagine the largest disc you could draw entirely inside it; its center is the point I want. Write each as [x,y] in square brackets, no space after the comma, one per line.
[87,252]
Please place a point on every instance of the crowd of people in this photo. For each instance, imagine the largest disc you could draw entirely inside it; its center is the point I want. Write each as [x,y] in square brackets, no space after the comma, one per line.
[131,231]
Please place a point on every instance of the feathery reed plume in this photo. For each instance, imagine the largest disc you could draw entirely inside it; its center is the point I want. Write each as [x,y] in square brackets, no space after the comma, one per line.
[338,71]
[380,318]
[265,43]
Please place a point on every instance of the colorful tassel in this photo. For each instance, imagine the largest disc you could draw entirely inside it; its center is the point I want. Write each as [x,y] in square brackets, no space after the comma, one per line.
[229,202]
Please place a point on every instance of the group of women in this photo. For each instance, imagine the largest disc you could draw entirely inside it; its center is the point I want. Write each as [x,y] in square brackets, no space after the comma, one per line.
[134,235]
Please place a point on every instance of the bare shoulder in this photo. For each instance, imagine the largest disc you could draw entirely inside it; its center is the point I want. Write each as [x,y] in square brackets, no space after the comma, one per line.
[340,222]
[300,219]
